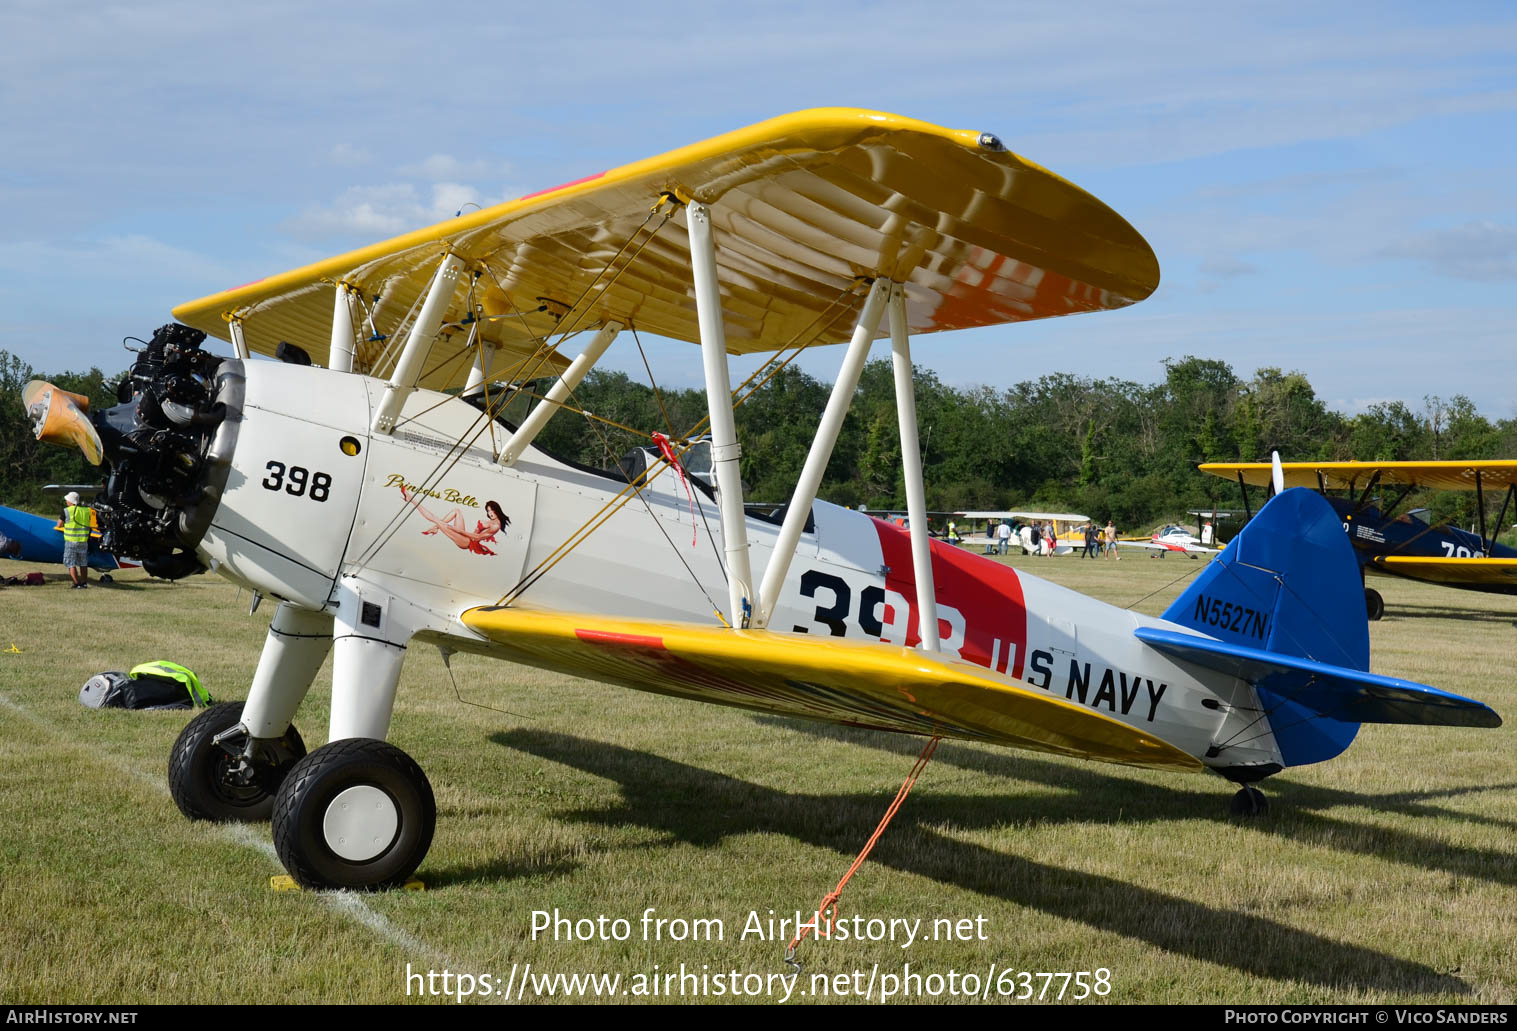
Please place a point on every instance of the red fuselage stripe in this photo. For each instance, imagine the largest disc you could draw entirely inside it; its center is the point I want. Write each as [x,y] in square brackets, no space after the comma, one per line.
[987,594]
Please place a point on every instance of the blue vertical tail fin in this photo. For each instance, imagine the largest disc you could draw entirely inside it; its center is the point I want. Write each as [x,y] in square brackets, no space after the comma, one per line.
[1288,583]
[1283,607]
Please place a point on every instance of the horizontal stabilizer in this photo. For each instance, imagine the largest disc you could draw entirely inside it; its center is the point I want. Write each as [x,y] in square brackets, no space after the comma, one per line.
[1340,693]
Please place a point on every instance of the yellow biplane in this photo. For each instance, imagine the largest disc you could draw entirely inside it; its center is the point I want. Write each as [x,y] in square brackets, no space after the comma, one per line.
[385,511]
[1368,495]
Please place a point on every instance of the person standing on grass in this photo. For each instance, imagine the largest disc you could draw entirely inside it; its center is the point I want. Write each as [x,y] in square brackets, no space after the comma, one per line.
[77,522]
[1003,537]
[1111,541]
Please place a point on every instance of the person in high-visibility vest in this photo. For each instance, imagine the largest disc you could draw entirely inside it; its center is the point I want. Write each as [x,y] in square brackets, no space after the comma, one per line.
[77,523]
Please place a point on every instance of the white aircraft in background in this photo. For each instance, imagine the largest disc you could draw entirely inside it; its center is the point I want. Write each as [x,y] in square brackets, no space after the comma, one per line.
[1064,524]
[384,512]
[1171,538]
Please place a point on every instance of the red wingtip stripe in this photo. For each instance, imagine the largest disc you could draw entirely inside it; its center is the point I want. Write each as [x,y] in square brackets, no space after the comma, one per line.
[561,186]
[608,637]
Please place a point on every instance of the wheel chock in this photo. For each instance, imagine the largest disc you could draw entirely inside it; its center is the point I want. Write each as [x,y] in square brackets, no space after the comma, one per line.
[284,882]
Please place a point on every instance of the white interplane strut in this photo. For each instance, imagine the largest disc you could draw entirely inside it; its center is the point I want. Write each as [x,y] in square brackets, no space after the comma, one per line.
[484,361]
[423,331]
[821,450]
[911,470]
[239,343]
[724,450]
[539,416]
[340,353]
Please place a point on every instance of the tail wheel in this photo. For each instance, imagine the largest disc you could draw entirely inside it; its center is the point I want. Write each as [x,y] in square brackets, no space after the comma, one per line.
[1374,605]
[356,813]
[210,780]
[1249,801]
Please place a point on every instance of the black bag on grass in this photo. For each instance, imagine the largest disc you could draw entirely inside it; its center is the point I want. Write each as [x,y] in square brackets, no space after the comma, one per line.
[116,690]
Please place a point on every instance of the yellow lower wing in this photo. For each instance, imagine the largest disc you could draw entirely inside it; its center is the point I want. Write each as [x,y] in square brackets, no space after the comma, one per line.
[886,687]
[1476,572]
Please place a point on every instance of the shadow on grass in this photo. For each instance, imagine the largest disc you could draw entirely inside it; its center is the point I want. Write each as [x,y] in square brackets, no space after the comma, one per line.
[1105,798]
[703,808]
[498,870]
[1400,610]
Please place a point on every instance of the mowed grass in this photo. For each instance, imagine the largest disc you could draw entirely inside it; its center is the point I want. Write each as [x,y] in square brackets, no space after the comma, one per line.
[1387,874]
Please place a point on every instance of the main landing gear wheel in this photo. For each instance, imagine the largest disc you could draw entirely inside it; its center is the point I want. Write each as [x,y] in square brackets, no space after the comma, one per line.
[1249,801]
[211,780]
[1374,605]
[356,813]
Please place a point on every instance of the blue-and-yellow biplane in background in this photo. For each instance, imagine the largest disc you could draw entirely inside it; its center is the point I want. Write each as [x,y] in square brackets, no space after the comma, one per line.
[1366,496]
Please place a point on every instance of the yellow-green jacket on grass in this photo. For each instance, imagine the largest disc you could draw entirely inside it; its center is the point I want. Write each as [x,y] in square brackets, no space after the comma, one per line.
[174,671]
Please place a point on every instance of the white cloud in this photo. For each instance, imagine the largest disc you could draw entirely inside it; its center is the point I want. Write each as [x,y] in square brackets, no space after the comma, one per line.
[379,211]
[349,154]
[1216,271]
[447,168]
[117,260]
[1481,251]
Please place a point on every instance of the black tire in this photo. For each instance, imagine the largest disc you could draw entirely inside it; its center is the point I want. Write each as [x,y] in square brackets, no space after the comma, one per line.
[315,782]
[1374,605]
[1249,802]
[198,771]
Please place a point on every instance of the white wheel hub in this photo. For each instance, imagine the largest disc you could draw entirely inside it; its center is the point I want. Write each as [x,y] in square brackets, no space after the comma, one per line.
[360,823]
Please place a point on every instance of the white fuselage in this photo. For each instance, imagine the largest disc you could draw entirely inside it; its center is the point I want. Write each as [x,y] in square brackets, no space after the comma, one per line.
[299,517]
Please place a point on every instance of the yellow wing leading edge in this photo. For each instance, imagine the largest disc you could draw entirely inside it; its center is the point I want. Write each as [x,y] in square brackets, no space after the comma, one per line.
[1479,572]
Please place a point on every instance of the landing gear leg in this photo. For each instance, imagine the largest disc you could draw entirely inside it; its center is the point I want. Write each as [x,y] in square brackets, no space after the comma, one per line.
[1374,605]
[358,812]
[1249,801]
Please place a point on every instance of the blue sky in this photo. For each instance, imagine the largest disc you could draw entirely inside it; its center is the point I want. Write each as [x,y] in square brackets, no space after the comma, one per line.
[1329,187]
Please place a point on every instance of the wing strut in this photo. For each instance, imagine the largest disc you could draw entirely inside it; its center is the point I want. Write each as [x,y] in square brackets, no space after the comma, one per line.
[479,372]
[532,425]
[1480,504]
[408,366]
[239,343]
[911,469]
[821,450]
[741,599]
[1510,493]
[340,353]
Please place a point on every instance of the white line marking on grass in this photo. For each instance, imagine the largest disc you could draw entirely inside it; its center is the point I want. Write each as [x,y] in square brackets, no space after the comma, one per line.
[347,903]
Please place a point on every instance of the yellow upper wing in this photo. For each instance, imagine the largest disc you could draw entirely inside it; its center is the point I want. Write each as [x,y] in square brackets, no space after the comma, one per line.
[859,683]
[802,205]
[1496,473]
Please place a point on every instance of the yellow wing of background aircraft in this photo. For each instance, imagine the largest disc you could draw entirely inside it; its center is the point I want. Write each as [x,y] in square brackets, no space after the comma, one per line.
[1367,495]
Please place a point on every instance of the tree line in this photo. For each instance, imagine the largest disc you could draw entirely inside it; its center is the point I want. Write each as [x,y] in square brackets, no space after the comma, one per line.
[1109,448]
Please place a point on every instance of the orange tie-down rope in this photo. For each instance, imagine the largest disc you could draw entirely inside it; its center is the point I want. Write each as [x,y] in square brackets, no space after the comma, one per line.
[829,904]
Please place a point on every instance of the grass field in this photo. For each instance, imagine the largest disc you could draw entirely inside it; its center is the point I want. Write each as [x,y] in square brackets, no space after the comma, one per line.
[1385,875]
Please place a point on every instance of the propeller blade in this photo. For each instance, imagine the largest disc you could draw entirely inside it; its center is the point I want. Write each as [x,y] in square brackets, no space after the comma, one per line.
[58,417]
[1277,474]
